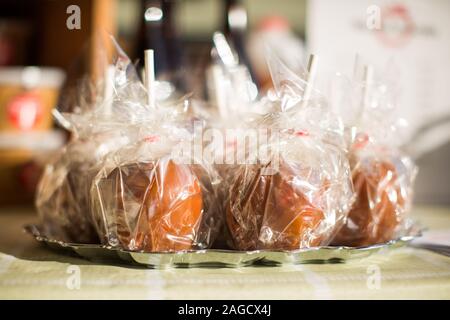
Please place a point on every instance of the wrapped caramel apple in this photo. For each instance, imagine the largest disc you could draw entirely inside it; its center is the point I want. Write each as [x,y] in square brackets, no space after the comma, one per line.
[272,213]
[146,199]
[295,192]
[63,200]
[104,119]
[63,194]
[155,206]
[383,183]
[382,174]
[297,204]
[150,195]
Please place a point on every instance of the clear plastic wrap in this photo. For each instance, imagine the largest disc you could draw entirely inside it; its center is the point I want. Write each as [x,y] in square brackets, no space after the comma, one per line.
[298,194]
[383,175]
[152,196]
[155,204]
[62,197]
[120,181]
[383,180]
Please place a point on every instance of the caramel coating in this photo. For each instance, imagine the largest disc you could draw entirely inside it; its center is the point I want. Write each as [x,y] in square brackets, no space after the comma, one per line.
[379,206]
[66,213]
[158,207]
[269,212]
[77,202]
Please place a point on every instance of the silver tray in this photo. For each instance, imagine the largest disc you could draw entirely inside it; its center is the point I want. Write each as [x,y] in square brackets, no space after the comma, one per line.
[221,258]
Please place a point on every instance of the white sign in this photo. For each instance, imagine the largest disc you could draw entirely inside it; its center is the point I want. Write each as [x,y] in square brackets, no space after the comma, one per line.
[411,41]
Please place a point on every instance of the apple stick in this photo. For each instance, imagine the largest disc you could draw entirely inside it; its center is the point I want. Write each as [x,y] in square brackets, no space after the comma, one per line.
[310,78]
[217,91]
[150,77]
[368,77]
[108,88]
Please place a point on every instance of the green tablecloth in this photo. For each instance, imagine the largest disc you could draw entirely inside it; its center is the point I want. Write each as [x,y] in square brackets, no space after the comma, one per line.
[31,270]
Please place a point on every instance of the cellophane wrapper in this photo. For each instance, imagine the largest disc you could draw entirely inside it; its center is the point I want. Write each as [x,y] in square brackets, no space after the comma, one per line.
[147,197]
[120,135]
[99,124]
[383,175]
[294,189]
[62,199]
[155,194]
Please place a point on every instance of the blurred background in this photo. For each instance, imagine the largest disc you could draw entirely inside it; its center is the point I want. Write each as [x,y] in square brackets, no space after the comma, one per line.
[48,45]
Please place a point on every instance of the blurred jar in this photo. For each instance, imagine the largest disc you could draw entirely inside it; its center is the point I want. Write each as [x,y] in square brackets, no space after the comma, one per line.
[27,97]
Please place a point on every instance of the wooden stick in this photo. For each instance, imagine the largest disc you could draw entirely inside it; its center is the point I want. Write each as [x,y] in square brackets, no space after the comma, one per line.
[109,88]
[310,78]
[217,93]
[224,50]
[61,120]
[368,77]
[150,77]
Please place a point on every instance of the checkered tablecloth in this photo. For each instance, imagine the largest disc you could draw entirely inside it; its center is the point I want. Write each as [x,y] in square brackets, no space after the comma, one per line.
[31,270]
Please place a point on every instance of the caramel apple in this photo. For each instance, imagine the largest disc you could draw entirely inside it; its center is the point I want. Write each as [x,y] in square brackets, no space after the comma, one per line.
[63,202]
[380,204]
[155,206]
[272,212]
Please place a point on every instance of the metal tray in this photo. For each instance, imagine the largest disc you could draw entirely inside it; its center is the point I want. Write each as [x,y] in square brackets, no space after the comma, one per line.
[221,258]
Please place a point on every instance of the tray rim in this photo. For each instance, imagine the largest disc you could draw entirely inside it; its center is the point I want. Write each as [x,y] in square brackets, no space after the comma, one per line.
[414,232]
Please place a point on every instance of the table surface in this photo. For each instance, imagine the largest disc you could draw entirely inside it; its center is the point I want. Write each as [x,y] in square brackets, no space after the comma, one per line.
[30,270]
